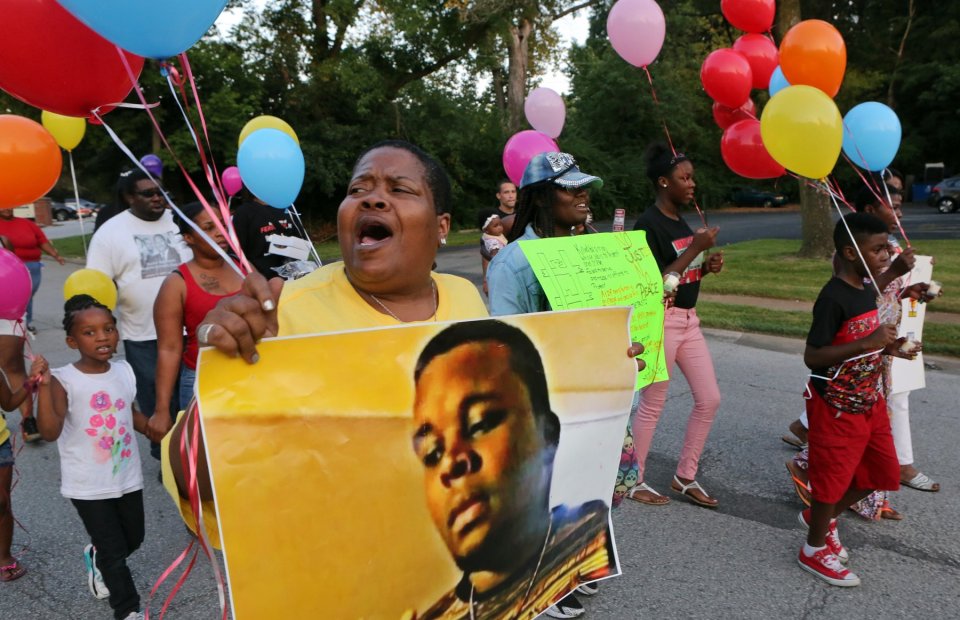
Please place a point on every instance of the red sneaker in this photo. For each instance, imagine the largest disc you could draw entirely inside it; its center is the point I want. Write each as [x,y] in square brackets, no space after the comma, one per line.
[826,566]
[833,537]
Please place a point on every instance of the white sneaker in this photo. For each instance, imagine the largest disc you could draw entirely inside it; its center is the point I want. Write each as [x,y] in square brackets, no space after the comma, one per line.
[568,607]
[134,615]
[94,578]
[589,589]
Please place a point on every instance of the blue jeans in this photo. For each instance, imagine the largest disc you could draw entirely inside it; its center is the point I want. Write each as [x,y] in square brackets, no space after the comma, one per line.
[36,272]
[188,378]
[142,357]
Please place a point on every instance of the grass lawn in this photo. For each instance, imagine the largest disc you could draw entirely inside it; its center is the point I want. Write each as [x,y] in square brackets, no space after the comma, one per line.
[770,268]
[72,247]
[938,338]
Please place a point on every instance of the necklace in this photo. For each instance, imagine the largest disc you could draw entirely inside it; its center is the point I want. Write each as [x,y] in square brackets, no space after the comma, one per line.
[436,303]
[533,577]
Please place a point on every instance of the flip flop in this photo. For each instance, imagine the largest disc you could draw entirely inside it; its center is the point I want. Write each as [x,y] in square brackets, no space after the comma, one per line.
[800,486]
[793,442]
[12,572]
[922,482]
[685,490]
[886,512]
[659,500]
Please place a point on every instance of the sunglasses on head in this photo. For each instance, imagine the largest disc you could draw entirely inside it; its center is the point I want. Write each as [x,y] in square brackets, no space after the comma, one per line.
[148,193]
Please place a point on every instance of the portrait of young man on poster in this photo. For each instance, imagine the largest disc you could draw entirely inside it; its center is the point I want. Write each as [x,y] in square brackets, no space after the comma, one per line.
[487,438]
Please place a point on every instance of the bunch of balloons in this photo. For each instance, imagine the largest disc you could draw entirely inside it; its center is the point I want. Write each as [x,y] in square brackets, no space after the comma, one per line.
[269,162]
[801,125]
[730,74]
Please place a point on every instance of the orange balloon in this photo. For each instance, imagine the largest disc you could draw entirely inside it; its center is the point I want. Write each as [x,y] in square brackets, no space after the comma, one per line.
[813,53]
[30,161]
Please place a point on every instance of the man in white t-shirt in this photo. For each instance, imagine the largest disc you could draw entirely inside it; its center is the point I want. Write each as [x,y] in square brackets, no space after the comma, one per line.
[137,249]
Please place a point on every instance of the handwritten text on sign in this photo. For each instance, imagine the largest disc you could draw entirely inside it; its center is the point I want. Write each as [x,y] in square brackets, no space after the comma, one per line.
[608,269]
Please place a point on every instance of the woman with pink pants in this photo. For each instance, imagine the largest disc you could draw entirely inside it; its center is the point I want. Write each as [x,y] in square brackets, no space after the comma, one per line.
[681,254]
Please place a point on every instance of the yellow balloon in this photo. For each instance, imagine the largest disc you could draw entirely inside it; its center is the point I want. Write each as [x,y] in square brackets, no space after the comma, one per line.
[91,282]
[66,130]
[267,122]
[802,130]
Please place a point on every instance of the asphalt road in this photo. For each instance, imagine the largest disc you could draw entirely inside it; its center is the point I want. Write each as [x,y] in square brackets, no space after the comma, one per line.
[679,561]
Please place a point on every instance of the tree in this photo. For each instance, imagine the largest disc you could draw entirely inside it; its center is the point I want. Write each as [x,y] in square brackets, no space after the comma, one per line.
[815,217]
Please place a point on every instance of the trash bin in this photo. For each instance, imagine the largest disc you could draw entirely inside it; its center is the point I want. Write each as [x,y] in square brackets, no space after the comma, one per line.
[921,191]
[43,211]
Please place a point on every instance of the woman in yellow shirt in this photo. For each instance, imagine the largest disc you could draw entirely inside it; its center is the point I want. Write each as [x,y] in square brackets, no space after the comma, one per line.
[395,216]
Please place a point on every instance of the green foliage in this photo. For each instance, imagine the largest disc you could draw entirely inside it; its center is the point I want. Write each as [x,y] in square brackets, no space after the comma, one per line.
[347,73]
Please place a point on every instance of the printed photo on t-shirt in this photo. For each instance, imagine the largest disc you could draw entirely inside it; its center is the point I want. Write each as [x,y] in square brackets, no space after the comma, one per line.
[693,271]
[158,254]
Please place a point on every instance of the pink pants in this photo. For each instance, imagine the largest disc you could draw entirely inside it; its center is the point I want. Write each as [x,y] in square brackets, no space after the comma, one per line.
[684,344]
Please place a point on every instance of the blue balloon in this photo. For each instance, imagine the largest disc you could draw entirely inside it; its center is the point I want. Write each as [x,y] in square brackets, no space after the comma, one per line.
[147,27]
[777,82]
[871,135]
[271,166]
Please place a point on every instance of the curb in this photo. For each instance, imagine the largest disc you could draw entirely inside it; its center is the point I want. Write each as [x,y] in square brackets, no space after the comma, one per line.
[795,346]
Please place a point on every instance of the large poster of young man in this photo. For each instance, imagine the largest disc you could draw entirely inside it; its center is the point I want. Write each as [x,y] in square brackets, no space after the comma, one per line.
[427,471]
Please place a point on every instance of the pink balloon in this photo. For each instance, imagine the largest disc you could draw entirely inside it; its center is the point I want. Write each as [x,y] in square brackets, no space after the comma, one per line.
[15,280]
[545,111]
[232,182]
[636,29]
[520,149]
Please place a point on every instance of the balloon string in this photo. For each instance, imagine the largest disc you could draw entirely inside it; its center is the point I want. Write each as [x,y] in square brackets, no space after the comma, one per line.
[224,222]
[853,240]
[306,235]
[163,577]
[203,123]
[203,235]
[213,179]
[883,199]
[186,175]
[76,194]
[666,131]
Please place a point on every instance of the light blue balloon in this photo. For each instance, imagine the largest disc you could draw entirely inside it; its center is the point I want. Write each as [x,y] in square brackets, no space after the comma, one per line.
[271,166]
[777,82]
[149,28]
[871,135]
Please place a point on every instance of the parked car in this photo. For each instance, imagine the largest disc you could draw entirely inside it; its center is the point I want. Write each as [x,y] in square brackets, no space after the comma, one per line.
[68,211]
[753,197]
[945,195]
[84,203]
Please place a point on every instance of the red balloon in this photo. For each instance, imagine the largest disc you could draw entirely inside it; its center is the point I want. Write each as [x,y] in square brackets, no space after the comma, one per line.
[762,55]
[749,15]
[728,116]
[743,152]
[50,60]
[727,77]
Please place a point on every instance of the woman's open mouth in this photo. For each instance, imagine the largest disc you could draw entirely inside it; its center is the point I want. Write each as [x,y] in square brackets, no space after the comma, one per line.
[371,233]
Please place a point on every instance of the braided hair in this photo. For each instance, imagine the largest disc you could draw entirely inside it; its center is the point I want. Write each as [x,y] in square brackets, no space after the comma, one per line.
[534,207]
[77,304]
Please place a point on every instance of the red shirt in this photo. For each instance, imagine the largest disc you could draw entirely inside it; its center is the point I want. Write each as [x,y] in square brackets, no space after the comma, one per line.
[25,236]
[197,304]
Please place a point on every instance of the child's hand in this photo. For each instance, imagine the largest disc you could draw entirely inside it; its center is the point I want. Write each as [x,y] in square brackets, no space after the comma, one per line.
[158,426]
[896,349]
[705,238]
[904,262]
[881,338]
[39,367]
[715,263]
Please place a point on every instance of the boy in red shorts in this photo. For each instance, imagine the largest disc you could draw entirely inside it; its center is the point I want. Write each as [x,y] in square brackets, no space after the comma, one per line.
[851,448]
